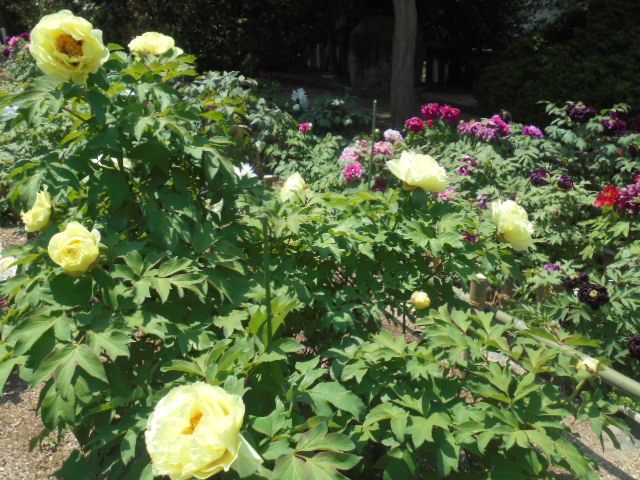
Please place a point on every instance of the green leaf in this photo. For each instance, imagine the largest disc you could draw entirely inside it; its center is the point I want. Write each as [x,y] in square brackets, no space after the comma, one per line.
[290,467]
[89,362]
[339,397]
[317,439]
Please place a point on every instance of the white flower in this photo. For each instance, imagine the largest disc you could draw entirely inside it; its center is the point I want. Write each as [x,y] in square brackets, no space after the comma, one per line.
[418,170]
[392,136]
[244,170]
[9,112]
[300,96]
[512,223]
[293,187]
[8,269]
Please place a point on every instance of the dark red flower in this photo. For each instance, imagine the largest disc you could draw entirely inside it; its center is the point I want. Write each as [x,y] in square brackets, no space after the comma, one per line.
[609,196]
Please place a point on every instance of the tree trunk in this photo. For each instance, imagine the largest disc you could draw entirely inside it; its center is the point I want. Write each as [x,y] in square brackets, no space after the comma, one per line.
[403,55]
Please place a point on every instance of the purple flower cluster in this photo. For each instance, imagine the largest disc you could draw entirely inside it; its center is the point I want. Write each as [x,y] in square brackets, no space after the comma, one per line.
[483,200]
[629,199]
[352,172]
[466,170]
[579,112]
[14,43]
[379,185]
[552,267]
[634,346]
[469,237]
[613,126]
[589,293]
[532,131]
[565,182]
[447,113]
[485,130]
[540,177]
[414,124]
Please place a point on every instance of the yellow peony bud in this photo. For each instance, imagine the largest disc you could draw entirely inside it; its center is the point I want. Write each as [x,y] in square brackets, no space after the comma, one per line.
[75,249]
[152,43]
[418,170]
[67,47]
[293,187]
[420,300]
[194,431]
[513,223]
[39,215]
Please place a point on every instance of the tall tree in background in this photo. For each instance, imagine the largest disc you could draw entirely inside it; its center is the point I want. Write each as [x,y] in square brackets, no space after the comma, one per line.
[403,96]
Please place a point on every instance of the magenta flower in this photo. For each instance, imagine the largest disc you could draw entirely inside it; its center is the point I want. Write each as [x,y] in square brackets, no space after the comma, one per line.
[502,126]
[349,155]
[383,148]
[431,111]
[532,131]
[414,124]
[352,172]
[552,267]
[464,171]
[305,127]
[450,114]
[469,160]
[362,144]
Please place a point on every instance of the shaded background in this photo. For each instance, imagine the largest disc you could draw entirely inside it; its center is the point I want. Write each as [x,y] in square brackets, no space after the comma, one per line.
[509,53]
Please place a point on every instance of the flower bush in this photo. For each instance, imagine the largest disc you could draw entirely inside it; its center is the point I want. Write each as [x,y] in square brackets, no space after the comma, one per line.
[186,319]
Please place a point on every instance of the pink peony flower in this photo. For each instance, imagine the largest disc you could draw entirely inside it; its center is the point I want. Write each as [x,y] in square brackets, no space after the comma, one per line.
[305,127]
[383,148]
[414,124]
[450,114]
[352,172]
[431,111]
[349,155]
[448,195]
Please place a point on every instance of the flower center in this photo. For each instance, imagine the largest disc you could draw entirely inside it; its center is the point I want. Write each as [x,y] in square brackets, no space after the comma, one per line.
[194,422]
[69,46]
[593,294]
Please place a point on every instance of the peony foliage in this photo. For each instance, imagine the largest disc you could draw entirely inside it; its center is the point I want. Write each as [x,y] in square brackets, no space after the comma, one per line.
[186,319]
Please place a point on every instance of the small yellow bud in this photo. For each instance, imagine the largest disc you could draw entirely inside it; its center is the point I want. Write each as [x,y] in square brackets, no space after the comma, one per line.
[420,300]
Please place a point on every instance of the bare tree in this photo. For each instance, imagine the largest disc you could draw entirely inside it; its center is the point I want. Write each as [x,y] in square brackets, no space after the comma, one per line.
[403,60]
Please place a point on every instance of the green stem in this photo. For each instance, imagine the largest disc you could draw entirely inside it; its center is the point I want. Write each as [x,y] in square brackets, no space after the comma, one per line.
[373,141]
[267,276]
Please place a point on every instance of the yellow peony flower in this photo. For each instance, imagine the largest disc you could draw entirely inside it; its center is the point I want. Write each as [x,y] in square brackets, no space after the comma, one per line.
[513,223]
[39,215]
[293,187]
[420,300]
[418,170]
[194,431]
[75,249]
[67,47]
[152,43]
